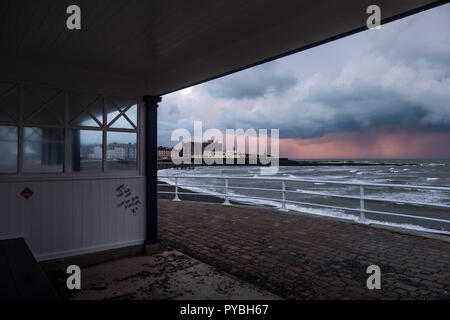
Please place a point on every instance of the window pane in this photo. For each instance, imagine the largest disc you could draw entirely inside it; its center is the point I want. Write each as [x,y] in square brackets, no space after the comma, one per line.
[8,149]
[86,150]
[97,110]
[111,111]
[84,108]
[121,151]
[121,103]
[132,114]
[9,102]
[115,106]
[122,123]
[85,120]
[43,105]
[43,150]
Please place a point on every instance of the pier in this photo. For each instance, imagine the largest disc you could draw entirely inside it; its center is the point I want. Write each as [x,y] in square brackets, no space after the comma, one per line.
[169,164]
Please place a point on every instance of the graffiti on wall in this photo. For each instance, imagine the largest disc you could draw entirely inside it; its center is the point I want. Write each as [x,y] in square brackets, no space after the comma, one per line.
[128,200]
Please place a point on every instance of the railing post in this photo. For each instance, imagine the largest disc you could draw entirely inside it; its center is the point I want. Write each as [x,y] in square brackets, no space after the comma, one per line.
[362,216]
[176,190]
[227,202]
[283,202]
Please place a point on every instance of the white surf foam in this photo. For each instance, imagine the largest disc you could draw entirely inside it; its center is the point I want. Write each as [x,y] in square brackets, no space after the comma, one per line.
[334,213]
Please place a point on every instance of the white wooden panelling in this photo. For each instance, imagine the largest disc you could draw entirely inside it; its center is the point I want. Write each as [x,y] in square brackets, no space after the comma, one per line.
[70,217]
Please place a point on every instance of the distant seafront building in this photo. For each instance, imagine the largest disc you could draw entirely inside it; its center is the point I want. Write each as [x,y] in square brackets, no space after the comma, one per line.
[121,151]
[93,151]
[207,150]
[215,149]
[235,155]
[164,152]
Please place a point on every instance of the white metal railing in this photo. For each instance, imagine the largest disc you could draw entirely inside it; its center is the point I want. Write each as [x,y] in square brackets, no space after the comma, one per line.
[284,192]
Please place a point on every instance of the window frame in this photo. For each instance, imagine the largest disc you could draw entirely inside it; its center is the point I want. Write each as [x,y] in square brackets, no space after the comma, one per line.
[67,125]
[23,144]
[18,146]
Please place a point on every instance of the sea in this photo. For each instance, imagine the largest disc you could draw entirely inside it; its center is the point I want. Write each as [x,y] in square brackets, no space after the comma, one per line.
[414,172]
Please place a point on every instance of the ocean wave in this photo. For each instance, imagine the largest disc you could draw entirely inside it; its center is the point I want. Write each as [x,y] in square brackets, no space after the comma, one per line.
[321,177]
[334,213]
[425,196]
[432,164]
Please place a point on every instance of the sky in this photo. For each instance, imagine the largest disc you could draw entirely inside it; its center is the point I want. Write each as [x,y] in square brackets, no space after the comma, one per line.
[382,93]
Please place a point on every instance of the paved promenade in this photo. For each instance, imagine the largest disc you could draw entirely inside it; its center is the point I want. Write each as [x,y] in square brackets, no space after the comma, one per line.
[307,257]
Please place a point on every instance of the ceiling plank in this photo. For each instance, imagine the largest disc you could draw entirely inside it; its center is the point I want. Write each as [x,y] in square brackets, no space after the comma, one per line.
[175,44]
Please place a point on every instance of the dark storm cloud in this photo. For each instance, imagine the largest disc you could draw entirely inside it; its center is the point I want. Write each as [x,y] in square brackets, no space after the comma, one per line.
[398,76]
[251,84]
[401,78]
[336,108]
[365,105]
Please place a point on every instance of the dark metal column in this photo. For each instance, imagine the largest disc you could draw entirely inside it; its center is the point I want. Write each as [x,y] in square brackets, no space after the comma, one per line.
[151,141]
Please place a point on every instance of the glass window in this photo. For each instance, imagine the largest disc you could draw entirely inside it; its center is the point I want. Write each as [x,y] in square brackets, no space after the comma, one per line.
[121,153]
[111,113]
[132,114]
[86,150]
[128,120]
[122,123]
[9,102]
[8,149]
[86,110]
[43,150]
[65,131]
[128,108]
[43,105]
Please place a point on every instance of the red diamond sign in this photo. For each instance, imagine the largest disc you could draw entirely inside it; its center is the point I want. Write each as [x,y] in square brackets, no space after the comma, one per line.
[27,193]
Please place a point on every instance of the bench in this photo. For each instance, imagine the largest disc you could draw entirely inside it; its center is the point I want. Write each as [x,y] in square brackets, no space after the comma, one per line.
[21,277]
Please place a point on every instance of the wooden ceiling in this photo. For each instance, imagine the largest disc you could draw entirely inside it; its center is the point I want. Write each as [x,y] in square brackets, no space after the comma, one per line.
[172,44]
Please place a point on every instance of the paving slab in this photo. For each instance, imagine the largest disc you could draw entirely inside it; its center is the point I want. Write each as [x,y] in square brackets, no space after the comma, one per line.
[169,275]
[300,256]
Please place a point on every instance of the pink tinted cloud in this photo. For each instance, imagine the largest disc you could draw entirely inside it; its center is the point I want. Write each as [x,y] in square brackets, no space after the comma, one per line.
[370,144]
